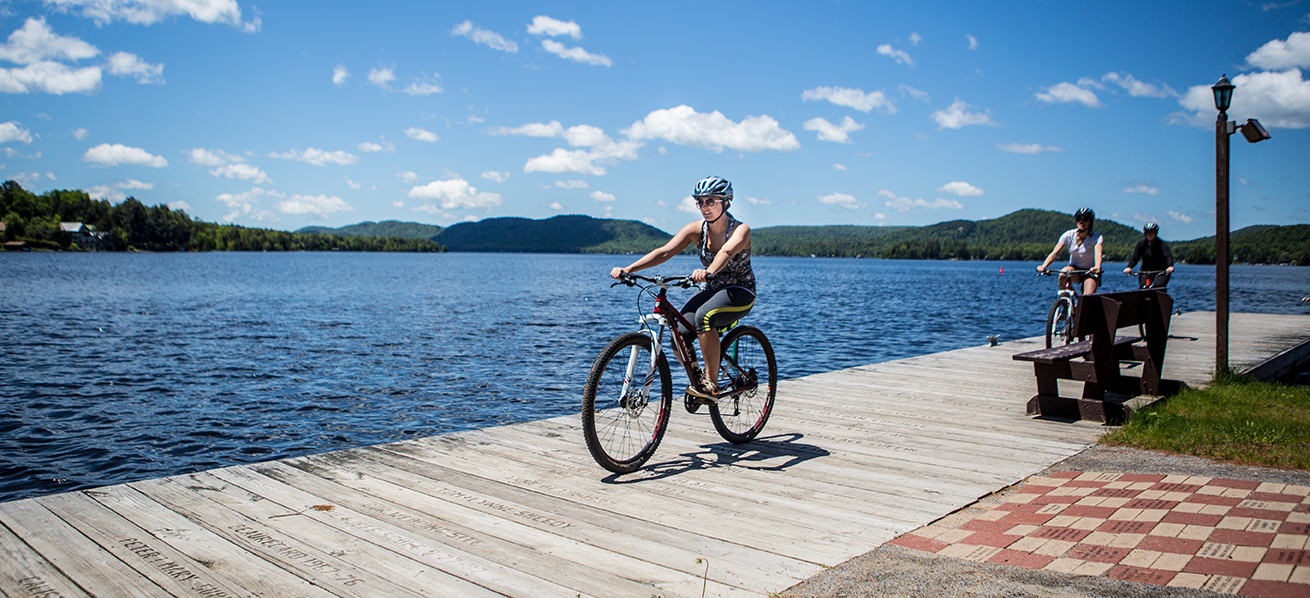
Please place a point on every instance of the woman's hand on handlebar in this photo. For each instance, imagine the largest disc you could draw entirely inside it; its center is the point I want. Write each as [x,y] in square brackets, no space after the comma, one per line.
[701,275]
[617,273]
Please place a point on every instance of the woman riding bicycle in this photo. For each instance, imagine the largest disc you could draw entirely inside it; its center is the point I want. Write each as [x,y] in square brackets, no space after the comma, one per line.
[1084,251]
[724,246]
[1155,257]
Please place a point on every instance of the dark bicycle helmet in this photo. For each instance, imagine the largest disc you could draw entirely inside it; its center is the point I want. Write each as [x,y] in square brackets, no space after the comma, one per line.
[1084,212]
[1151,227]
[712,186]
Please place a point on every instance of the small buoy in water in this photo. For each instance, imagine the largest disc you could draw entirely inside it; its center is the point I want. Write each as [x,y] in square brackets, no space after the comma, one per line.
[1002,269]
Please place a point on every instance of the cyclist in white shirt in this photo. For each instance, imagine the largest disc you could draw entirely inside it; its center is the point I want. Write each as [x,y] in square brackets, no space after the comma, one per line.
[1084,251]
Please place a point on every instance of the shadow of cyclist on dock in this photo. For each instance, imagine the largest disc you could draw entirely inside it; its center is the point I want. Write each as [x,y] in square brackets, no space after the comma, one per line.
[771,453]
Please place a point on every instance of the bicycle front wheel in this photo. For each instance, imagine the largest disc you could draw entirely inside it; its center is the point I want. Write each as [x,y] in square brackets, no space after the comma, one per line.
[1059,323]
[749,371]
[626,404]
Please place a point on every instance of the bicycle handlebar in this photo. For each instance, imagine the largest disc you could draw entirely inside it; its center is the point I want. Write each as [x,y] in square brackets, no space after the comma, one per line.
[630,279]
[1146,272]
[1049,272]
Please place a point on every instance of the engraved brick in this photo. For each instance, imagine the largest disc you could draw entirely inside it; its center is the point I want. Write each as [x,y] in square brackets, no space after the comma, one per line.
[1116,493]
[1128,527]
[1176,487]
[1064,534]
[1093,569]
[1288,556]
[1099,554]
[1224,584]
[1222,567]
[1141,477]
[1295,527]
[1084,511]
[1141,575]
[1175,545]
[1151,504]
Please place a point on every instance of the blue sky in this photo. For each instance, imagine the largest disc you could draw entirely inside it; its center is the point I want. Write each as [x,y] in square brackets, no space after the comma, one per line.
[284,115]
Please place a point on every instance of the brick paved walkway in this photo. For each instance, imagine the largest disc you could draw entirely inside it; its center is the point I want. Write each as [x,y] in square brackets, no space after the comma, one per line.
[1230,536]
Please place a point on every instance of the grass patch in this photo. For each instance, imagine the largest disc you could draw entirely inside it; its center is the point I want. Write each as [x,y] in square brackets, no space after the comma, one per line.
[1236,419]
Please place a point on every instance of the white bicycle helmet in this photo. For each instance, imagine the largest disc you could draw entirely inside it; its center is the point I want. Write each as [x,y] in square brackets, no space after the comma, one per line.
[712,186]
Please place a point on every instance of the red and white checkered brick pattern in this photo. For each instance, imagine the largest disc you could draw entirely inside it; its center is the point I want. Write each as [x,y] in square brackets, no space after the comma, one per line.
[1230,536]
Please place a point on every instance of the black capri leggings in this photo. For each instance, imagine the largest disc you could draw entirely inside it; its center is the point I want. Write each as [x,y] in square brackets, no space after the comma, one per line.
[711,310]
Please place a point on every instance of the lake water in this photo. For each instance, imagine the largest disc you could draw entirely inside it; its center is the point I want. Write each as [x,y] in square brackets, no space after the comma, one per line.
[121,367]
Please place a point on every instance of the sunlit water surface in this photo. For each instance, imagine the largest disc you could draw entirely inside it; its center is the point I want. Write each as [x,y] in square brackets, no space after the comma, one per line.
[120,367]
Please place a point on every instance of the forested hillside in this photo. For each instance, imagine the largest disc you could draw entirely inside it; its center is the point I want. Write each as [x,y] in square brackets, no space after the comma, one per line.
[386,228]
[132,226]
[561,234]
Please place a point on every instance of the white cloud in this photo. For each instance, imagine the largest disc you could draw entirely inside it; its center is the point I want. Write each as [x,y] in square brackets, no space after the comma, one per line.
[407,176]
[1142,188]
[551,129]
[973,42]
[601,196]
[123,64]
[915,38]
[487,38]
[246,205]
[957,116]
[851,98]
[242,171]
[1277,99]
[317,157]
[562,160]
[318,206]
[544,25]
[841,167]
[382,77]
[713,131]
[420,134]
[1139,89]
[114,193]
[1068,93]
[917,94]
[369,147]
[499,177]
[1278,55]
[455,194]
[900,56]
[353,184]
[604,151]
[688,205]
[575,54]
[12,131]
[180,206]
[1181,217]
[905,204]
[1028,148]
[339,75]
[81,134]
[50,77]
[758,201]
[107,155]
[555,205]
[422,88]
[830,132]
[207,158]
[149,12]
[37,42]
[843,200]
[573,184]
[960,188]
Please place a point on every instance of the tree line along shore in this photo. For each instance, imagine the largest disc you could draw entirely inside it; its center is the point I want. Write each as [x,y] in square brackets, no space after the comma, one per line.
[71,220]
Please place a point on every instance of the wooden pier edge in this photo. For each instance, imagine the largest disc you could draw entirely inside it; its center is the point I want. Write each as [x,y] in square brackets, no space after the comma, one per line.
[850,460]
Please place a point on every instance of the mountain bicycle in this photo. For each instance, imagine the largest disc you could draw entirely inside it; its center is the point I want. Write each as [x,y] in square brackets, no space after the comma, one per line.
[1148,279]
[629,394]
[1059,322]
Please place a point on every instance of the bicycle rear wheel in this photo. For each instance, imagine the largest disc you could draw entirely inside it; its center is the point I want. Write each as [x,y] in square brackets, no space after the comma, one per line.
[624,429]
[748,364]
[1059,323]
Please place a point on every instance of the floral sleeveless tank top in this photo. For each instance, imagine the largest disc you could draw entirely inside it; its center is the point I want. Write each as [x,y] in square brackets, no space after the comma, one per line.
[737,272]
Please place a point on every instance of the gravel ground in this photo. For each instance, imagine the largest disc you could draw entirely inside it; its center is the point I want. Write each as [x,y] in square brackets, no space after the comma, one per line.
[897,571]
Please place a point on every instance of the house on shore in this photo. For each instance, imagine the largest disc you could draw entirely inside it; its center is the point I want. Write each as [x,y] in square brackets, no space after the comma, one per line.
[85,236]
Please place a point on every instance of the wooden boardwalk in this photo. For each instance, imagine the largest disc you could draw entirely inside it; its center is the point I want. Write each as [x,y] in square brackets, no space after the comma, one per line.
[849,460]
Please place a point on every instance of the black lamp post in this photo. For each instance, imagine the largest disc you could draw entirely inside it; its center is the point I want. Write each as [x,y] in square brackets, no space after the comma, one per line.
[1254,133]
[1223,98]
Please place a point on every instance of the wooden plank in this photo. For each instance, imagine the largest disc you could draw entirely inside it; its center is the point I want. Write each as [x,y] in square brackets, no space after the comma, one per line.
[27,574]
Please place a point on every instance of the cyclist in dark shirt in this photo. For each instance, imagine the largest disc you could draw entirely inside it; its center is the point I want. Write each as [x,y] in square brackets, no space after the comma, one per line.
[1155,257]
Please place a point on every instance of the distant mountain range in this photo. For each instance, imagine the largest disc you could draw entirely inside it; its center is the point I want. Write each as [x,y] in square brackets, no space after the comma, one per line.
[1027,234]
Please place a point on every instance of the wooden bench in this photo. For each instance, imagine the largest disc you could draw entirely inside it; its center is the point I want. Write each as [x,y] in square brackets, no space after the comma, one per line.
[1096,362]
